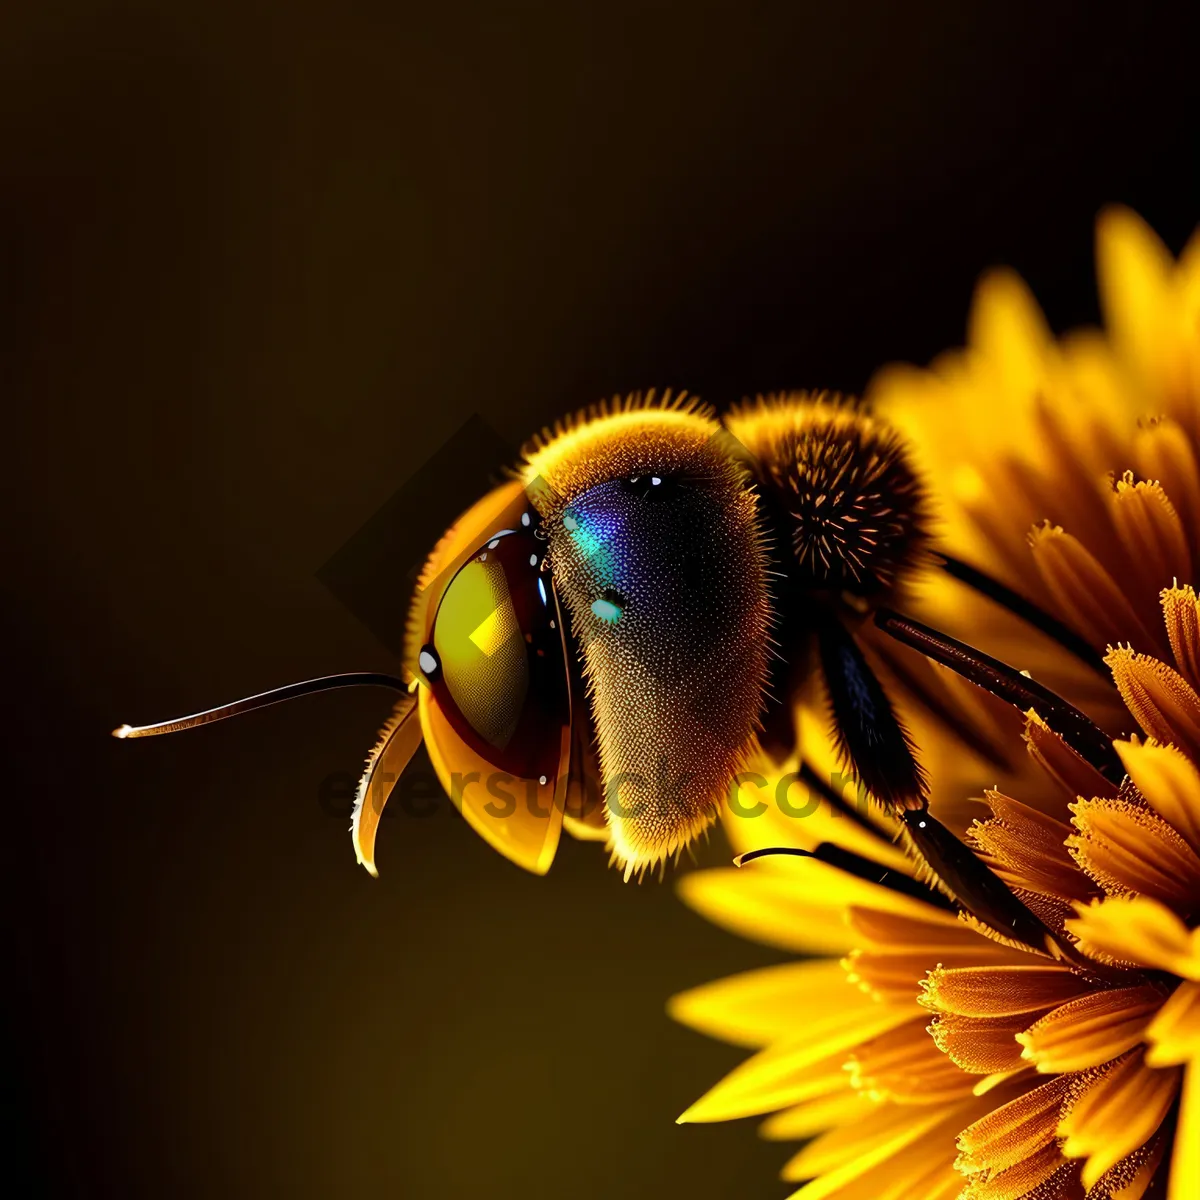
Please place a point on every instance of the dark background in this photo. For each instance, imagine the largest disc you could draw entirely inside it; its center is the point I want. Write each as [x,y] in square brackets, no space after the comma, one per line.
[256,267]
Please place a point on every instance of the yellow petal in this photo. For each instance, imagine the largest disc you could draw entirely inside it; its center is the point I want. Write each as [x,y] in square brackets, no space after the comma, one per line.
[1084,591]
[1012,1131]
[795,904]
[979,1045]
[820,1113]
[900,1168]
[1165,704]
[1169,781]
[1115,1114]
[1027,849]
[1007,328]
[1001,991]
[1162,450]
[1185,1162]
[1043,1173]
[1136,930]
[906,1064]
[1151,531]
[1069,770]
[759,1007]
[894,1125]
[1134,270]
[1131,1178]
[1129,849]
[793,1071]
[1091,1030]
[1174,1034]
[1181,616]
[771,806]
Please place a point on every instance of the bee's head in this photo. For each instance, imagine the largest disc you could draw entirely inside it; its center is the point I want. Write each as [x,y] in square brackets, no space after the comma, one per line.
[655,548]
[851,502]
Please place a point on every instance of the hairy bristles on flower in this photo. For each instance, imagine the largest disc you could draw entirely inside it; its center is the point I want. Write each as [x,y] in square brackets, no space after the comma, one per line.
[1124,1106]
[1181,614]
[1166,706]
[1150,528]
[1128,849]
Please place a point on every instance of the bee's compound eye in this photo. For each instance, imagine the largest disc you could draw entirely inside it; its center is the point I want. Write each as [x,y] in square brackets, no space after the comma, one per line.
[496,659]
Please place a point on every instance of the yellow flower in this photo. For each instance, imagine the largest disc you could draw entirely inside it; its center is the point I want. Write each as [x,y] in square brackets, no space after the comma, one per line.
[924,1057]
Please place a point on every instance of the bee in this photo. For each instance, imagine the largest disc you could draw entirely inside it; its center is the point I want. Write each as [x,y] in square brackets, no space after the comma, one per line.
[630,615]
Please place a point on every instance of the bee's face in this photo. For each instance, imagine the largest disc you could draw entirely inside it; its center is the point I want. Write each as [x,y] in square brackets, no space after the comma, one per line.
[648,531]
[656,551]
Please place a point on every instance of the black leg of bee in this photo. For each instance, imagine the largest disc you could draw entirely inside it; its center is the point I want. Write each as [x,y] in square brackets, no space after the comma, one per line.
[1029,612]
[308,687]
[859,866]
[1075,728]
[868,733]
[977,889]
[874,740]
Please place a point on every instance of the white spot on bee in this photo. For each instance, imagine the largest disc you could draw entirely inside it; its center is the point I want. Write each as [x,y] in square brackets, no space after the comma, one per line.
[493,545]
[542,780]
[427,662]
[525,519]
[655,481]
[533,560]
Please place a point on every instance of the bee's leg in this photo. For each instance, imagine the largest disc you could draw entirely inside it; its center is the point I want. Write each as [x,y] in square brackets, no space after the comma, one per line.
[1085,737]
[868,733]
[876,743]
[1029,612]
[975,886]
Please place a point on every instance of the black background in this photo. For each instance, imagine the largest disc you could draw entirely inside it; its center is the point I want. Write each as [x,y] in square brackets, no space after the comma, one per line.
[256,266]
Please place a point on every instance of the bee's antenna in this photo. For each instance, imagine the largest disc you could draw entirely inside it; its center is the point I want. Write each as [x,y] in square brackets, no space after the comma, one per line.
[1006,683]
[325,683]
